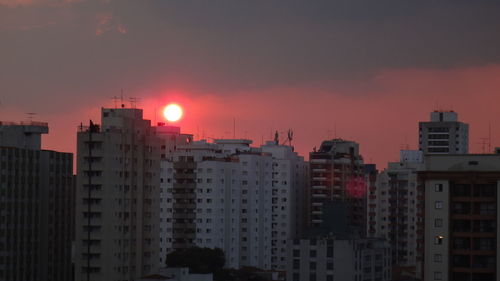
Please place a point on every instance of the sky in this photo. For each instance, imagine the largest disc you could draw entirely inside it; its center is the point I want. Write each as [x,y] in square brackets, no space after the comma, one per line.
[366,71]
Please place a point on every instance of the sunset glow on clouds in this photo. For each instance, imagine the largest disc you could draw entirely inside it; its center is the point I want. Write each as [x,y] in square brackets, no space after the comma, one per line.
[324,70]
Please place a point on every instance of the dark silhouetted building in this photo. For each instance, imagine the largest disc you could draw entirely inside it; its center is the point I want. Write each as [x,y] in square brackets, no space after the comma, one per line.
[36,206]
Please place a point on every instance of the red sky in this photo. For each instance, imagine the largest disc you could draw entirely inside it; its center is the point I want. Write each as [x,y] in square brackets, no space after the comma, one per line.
[381,115]
[367,71]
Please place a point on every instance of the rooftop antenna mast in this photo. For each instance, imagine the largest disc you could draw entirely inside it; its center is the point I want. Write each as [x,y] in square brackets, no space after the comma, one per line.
[121,98]
[133,102]
[115,101]
[30,116]
[489,137]
[484,142]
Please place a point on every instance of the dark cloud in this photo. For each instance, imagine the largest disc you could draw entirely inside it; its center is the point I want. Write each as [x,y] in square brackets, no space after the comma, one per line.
[86,50]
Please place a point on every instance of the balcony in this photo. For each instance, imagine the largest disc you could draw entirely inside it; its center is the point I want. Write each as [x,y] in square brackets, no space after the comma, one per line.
[318,161]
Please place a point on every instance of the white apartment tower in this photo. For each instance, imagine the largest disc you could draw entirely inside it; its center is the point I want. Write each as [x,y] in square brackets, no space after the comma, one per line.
[288,205]
[199,203]
[117,198]
[394,208]
[231,196]
[444,134]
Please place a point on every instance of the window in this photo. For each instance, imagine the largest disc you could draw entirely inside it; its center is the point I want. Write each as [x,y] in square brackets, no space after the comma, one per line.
[312,265]
[296,264]
[438,240]
[439,187]
[438,204]
[438,258]
[438,223]
[438,275]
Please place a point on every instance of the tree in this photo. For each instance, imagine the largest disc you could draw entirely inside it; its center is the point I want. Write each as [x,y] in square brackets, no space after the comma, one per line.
[198,260]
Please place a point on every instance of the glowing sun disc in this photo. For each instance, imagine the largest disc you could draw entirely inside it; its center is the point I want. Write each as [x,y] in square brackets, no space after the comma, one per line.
[172,112]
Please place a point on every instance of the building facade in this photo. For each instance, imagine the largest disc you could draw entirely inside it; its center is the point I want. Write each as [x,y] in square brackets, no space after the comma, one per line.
[289,181]
[36,206]
[117,198]
[443,134]
[328,259]
[394,208]
[232,196]
[337,174]
[461,217]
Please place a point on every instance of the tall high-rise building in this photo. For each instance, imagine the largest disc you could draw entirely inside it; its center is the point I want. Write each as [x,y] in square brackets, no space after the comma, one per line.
[290,178]
[444,134]
[36,206]
[232,196]
[200,201]
[461,217]
[337,175]
[394,208]
[117,198]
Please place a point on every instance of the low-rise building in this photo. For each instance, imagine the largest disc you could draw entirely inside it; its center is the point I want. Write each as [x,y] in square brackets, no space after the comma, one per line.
[329,258]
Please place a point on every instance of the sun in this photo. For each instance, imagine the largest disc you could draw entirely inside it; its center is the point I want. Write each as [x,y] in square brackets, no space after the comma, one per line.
[172,112]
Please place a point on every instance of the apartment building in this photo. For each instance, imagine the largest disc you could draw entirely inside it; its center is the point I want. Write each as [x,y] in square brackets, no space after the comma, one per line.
[337,175]
[393,208]
[328,258]
[289,181]
[443,134]
[461,217]
[36,206]
[232,196]
[200,201]
[117,198]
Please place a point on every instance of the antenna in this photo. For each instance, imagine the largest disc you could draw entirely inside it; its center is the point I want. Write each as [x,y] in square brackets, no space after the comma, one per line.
[133,101]
[115,100]
[484,142]
[289,137]
[30,115]
[121,99]
[234,128]
[329,134]
[154,122]
[489,137]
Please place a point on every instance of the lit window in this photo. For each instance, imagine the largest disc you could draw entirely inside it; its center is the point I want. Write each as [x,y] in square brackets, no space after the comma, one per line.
[438,240]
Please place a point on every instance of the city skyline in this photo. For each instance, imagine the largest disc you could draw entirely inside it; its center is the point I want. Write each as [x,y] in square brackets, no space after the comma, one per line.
[260,140]
[367,72]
